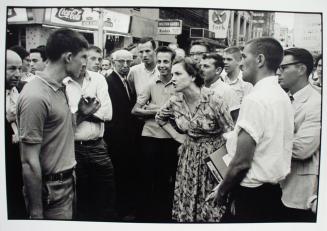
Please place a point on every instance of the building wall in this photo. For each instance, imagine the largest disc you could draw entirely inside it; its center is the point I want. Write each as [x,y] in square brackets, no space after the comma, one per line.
[308,32]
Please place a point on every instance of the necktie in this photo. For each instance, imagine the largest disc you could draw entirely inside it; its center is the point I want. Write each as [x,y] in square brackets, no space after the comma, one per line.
[291,98]
[128,90]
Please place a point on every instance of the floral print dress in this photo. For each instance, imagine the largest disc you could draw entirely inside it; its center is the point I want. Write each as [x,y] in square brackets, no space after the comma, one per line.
[204,128]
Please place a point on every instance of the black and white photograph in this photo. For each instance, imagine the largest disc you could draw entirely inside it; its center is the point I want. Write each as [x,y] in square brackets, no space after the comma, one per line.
[163,115]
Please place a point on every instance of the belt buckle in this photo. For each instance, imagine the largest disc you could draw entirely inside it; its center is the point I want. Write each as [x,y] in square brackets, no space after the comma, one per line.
[61,176]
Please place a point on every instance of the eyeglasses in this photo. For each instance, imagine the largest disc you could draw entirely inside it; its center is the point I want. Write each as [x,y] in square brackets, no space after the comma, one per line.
[122,61]
[283,66]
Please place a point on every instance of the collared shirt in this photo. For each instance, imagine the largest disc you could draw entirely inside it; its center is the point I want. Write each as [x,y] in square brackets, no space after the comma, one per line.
[300,184]
[156,93]
[226,92]
[94,85]
[27,76]
[11,104]
[139,77]
[266,114]
[44,118]
[240,87]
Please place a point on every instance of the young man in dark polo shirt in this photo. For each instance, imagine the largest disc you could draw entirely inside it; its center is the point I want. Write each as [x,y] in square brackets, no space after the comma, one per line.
[45,126]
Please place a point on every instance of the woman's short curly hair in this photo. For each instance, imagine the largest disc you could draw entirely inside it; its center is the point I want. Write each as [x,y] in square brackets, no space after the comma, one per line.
[192,69]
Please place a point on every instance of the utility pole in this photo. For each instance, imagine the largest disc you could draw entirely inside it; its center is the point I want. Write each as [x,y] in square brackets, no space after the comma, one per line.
[100,38]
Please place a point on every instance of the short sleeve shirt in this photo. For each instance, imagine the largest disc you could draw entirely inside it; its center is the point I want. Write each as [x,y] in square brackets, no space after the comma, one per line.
[156,93]
[140,77]
[44,118]
[266,114]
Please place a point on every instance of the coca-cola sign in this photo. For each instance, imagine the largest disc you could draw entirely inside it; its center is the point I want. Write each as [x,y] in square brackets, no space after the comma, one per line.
[70,14]
[11,12]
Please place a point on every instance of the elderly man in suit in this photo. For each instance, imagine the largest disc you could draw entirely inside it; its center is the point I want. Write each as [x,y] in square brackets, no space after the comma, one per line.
[301,184]
[120,133]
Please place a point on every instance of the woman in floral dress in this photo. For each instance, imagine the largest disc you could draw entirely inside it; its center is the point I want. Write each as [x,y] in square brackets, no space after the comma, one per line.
[203,116]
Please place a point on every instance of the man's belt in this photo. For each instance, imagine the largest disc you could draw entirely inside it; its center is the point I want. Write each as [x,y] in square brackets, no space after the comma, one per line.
[88,142]
[59,176]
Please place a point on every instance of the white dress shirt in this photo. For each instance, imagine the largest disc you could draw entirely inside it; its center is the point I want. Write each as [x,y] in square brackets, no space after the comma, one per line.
[94,85]
[266,114]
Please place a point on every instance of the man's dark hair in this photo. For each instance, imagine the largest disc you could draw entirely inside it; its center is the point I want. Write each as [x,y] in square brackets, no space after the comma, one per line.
[64,40]
[303,56]
[202,43]
[235,51]
[219,61]
[192,69]
[40,49]
[165,49]
[270,48]
[95,48]
[148,39]
[20,51]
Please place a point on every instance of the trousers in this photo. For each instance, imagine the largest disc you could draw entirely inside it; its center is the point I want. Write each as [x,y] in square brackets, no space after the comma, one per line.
[157,179]
[95,186]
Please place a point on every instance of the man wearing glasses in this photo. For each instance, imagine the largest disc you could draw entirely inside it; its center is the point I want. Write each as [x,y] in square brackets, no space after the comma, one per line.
[198,49]
[301,184]
[120,134]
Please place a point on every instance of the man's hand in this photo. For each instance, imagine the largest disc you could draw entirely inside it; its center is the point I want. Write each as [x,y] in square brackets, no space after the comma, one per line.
[217,196]
[88,105]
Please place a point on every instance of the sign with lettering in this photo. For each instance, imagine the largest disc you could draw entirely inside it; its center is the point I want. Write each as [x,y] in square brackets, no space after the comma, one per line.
[70,14]
[89,18]
[17,15]
[218,22]
[115,21]
[170,27]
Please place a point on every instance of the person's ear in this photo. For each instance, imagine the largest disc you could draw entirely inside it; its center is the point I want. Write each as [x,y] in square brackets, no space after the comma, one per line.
[67,57]
[302,69]
[219,70]
[261,59]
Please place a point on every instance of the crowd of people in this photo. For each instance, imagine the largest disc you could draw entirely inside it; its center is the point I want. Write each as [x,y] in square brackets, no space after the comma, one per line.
[123,138]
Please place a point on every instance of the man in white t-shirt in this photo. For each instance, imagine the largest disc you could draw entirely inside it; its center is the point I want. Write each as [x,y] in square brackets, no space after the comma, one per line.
[262,150]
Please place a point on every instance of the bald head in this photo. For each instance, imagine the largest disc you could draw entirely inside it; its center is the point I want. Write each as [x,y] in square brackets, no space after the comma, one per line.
[122,60]
[13,69]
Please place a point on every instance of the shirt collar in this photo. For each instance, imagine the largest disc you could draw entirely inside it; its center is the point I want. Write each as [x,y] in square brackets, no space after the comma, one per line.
[158,80]
[239,78]
[270,80]
[48,81]
[303,94]
[120,76]
[146,70]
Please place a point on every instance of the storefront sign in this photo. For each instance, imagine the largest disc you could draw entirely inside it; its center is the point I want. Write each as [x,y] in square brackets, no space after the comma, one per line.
[70,14]
[218,22]
[170,27]
[116,22]
[17,15]
[89,18]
